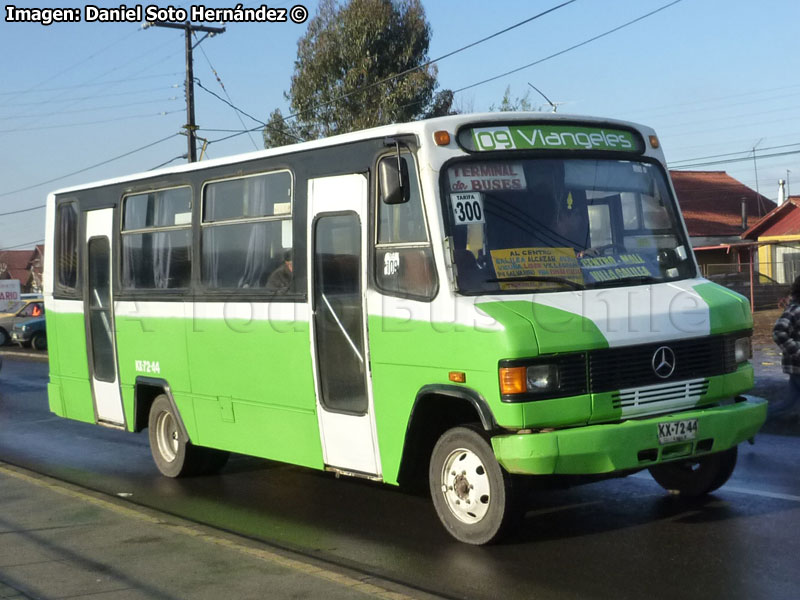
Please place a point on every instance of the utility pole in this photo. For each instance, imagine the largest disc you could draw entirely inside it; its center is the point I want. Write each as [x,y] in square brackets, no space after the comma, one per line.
[755,168]
[188,29]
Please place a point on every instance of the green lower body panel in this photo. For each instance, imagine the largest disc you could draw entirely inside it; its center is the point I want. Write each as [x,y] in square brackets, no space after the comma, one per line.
[632,444]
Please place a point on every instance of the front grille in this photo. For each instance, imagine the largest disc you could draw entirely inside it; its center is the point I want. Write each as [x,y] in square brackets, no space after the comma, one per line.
[632,366]
[658,398]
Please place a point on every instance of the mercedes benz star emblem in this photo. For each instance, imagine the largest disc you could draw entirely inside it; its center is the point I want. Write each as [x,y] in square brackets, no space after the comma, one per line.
[663,362]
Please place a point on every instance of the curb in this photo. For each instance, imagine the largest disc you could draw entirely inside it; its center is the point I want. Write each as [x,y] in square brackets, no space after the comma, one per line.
[25,355]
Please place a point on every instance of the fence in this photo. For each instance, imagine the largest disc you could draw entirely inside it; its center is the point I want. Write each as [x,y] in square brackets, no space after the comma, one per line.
[770,280]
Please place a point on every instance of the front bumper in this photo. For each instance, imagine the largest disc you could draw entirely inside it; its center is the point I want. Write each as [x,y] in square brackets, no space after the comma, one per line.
[631,444]
[21,337]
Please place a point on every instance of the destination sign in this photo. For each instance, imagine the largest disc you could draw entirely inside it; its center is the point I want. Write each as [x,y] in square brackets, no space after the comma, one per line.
[550,137]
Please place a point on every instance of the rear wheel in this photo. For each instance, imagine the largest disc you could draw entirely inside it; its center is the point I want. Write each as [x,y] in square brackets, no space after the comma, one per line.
[471,492]
[173,453]
[3,337]
[696,476]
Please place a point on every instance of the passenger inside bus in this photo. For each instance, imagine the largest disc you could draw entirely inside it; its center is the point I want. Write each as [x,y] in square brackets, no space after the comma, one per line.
[280,280]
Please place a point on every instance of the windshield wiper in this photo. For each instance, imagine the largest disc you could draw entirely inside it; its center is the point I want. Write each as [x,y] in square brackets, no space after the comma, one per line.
[626,281]
[573,284]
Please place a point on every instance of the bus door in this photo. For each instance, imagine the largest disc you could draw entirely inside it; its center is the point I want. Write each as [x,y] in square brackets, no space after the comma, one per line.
[337,281]
[98,312]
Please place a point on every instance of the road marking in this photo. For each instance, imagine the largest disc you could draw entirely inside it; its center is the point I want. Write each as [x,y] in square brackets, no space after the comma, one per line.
[347,581]
[740,490]
[762,493]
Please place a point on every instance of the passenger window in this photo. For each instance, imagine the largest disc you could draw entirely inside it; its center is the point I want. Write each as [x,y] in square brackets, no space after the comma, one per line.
[66,257]
[157,239]
[404,259]
[246,239]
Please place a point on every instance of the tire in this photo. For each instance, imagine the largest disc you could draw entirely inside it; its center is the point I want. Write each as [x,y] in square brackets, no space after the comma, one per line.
[173,453]
[3,337]
[39,341]
[696,476]
[471,492]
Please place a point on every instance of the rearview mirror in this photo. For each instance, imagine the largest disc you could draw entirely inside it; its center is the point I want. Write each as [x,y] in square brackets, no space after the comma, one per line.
[393,180]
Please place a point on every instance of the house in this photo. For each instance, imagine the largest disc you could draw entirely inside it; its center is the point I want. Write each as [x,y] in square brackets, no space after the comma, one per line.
[24,265]
[777,236]
[718,209]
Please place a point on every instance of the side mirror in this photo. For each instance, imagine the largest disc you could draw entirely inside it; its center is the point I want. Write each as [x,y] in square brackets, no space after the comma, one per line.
[393,181]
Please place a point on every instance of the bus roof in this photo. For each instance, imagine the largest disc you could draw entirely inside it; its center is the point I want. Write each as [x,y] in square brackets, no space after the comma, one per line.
[423,128]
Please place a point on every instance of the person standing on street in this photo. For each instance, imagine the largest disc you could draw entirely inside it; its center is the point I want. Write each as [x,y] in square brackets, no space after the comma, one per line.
[786,334]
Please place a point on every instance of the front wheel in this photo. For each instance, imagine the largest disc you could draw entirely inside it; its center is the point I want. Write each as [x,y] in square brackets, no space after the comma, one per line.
[173,453]
[471,492]
[695,477]
[39,341]
[3,337]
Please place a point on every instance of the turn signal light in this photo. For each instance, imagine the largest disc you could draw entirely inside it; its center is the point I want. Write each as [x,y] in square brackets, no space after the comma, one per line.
[654,143]
[513,380]
[441,138]
[458,377]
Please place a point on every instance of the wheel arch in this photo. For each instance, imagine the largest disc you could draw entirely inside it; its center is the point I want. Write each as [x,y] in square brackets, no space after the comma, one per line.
[436,409]
[145,391]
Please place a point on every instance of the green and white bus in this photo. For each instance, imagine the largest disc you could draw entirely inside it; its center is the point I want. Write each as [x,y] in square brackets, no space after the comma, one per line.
[462,301]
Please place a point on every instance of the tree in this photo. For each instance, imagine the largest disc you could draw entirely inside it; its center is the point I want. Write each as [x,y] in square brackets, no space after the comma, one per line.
[346,49]
[518,103]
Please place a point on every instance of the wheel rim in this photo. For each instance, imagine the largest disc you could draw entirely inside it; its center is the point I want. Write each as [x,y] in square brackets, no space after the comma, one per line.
[465,486]
[167,436]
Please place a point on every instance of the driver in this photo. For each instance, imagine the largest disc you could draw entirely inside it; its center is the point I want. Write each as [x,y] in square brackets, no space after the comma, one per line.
[572,221]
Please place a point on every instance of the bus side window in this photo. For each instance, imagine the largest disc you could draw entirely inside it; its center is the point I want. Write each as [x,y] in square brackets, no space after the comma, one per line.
[157,239]
[246,235]
[66,257]
[404,259]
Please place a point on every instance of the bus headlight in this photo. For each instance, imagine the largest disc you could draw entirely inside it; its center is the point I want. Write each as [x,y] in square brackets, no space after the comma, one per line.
[535,379]
[541,378]
[742,350]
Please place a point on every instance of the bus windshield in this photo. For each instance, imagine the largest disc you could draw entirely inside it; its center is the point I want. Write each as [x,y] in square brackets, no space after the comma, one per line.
[560,224]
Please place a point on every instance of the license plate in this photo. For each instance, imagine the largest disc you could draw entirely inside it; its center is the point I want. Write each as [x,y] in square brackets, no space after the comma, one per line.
[677,431]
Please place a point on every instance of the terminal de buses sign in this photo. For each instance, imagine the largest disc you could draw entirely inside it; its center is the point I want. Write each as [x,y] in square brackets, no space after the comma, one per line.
[551,137]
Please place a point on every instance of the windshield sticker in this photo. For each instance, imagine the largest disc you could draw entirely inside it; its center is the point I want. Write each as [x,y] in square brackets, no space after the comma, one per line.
[559,263]
[467,208]
[486,177]
[554,137]
[613,268]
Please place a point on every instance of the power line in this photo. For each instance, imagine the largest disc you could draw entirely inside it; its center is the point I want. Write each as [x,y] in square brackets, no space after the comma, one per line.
[732,153]
[249,116]
[74,65]
[227,95]
[81,124]
[95,96]
[91,109]
[33,243]
[23,210]
[105,162]
[391,77]
[165,163]
[435,60]
[584,43]
[88,84]
[735,160]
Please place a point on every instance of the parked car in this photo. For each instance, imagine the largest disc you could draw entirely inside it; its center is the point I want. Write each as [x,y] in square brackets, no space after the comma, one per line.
[23,309]
[767,293]
[30,332]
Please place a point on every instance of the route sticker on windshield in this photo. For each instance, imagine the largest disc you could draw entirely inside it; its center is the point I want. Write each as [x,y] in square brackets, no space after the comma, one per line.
[484,177]
[558,263]
[467,208]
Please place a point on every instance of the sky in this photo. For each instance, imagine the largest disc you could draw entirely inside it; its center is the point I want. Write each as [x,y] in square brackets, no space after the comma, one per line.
[81,102]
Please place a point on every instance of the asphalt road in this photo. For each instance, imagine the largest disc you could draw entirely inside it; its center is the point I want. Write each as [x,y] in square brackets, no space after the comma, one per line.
[623,538]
